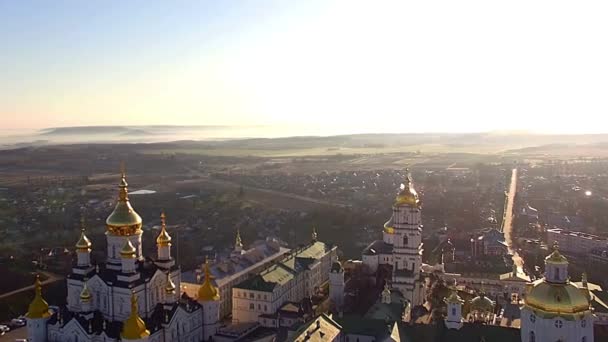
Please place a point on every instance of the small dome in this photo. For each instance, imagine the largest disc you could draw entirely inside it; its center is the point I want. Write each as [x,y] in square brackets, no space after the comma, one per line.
[208,292]
[407,195]
[170,288]
[163,238]
[389,226]
[556,257]
[128,250]
[83,243]
[454,298]
[482,303]
[134,328]
[85,294]
[38,308]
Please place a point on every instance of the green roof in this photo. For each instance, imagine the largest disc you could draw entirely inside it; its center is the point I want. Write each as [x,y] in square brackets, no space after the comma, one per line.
[285,270]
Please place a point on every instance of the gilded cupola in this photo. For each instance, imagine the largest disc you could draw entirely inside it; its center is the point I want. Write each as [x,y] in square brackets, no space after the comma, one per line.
[123,220]
[163,238]
[208,292]
[38,308]
[128,250]
[407,194]
[134,328]
[83,244]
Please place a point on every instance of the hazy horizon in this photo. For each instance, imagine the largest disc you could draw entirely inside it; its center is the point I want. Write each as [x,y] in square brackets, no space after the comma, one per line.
[331,67]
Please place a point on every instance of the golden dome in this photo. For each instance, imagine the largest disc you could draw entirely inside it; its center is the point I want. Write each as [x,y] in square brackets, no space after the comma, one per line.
[38,308]
[85,294]
[454,298]
[163,238]
[123,220]
[482,303]
[128,250]
[239,242]
[556,257]
[134,328]
[556,299]
[170,288]
[407,195]
[83,244]
[389,226]
[208,292]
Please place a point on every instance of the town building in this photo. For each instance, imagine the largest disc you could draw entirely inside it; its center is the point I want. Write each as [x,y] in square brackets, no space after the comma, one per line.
[128,297]
[295,277]
[573,242]
[233,269]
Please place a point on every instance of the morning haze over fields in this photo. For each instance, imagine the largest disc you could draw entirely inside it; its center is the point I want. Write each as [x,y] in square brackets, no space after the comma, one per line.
[319,170]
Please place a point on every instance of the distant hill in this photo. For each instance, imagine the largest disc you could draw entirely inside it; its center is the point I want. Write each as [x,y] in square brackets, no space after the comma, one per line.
[298,140]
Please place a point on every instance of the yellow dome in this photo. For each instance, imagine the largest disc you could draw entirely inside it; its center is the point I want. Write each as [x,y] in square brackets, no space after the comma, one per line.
[407,195]
[134,328]
[38,308]
[123,220]
[83,243]
[163,238]
[85,294]
[170,288]
[556,298]
[556,257]
[238,244]
[208,292]
[482,303]
[454,298]
[128,250]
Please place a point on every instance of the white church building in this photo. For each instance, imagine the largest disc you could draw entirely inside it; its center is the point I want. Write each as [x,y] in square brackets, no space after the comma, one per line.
[129,297]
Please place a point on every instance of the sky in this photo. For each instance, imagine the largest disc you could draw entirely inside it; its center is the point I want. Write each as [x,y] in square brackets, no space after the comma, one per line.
[373,66]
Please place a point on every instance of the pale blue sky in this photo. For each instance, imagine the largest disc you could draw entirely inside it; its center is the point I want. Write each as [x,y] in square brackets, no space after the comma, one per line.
[373,66]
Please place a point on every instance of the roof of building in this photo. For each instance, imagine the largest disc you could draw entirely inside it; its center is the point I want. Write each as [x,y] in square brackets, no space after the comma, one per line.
[223,267]
[322,328]
[470,332]
[284,270]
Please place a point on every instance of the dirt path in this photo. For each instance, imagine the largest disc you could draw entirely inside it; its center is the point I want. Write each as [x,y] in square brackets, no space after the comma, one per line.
[51,278]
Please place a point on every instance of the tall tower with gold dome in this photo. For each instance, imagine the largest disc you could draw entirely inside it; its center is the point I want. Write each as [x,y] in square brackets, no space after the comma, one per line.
[406,234]
[556,309]
[123,224]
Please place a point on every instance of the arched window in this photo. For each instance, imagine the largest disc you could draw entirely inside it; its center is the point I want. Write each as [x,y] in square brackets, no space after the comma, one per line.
[557,273]
[558,323]
[453,311]
[405,240]
[532,337]
[584,323]
[584,339]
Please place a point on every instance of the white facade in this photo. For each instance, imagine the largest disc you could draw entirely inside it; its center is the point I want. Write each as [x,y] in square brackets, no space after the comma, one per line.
[295,277]
[538,329]
[231,271]
[336,286]
[575,242]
